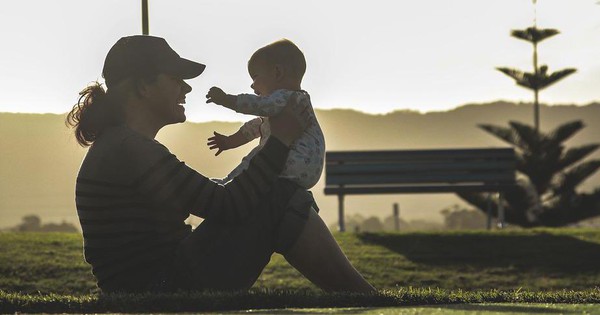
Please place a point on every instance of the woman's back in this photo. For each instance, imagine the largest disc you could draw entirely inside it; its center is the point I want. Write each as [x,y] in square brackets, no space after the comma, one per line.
[128,238]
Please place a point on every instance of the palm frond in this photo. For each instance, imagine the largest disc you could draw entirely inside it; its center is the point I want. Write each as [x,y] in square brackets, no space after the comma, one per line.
[575,176]
[528,136]
[530,81]
[564,132]
[543,80]
[533,34]
[517,75]
[574,155]
[533,81]
[521,161]
[506,134]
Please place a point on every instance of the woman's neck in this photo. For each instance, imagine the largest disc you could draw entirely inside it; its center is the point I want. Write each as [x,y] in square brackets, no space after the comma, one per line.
[138,121]
[146,130]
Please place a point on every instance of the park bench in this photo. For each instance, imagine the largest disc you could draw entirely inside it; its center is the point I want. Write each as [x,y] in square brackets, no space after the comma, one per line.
[419,171]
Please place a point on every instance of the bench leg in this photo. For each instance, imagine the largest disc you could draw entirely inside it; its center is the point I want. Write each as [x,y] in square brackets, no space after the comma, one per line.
[341,213]
[489,211]
[396,217]
[500,210]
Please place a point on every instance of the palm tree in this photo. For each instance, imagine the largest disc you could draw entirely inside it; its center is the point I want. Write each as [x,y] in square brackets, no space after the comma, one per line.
[549,173]
[539,78]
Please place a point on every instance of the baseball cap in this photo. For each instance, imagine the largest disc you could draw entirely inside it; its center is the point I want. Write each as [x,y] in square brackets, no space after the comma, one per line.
[142,55]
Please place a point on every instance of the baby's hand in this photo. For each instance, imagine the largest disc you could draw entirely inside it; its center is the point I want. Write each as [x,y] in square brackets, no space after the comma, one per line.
[219,142]
[216,95]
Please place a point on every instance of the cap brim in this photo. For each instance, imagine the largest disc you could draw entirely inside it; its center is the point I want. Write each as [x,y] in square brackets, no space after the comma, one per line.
[187,69]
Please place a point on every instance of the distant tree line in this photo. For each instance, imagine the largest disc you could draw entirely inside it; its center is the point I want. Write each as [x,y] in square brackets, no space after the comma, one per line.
[33,223]
[455,217]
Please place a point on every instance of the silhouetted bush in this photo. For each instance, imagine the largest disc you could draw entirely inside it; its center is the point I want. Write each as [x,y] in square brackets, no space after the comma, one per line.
[33,223]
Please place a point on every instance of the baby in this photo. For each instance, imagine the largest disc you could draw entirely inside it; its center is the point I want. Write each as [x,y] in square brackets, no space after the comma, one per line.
[276,71]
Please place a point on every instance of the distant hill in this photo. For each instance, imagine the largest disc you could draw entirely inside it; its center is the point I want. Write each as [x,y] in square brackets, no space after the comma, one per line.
[40,158]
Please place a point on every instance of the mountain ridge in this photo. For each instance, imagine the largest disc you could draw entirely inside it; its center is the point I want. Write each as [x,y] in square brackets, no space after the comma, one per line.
[40,157]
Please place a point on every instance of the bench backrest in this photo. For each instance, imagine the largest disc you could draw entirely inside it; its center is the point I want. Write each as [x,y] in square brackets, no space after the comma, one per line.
[419,170]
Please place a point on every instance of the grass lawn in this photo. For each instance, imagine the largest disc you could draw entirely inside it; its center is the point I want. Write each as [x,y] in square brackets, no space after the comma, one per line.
[544,259]
[271,300]
[458,309]
[536,266]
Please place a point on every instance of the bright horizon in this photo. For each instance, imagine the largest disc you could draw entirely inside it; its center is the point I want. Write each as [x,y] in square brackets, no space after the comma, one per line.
[372,56]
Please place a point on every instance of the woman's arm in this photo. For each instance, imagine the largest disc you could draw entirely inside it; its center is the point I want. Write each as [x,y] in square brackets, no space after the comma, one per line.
[167,182]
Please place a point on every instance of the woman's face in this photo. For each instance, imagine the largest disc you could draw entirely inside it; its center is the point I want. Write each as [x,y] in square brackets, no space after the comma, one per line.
[165,99]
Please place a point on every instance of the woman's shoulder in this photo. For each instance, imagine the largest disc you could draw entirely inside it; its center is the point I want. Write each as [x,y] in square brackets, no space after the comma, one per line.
[121,153]
[116,134]
[123,139]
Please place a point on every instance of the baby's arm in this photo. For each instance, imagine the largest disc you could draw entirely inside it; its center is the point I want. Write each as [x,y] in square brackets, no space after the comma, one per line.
[270,105]
[248,132]
[217,96]
[223,142]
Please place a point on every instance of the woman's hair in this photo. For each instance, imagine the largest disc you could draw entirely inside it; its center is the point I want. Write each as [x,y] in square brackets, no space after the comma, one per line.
[99,108]
[95,110]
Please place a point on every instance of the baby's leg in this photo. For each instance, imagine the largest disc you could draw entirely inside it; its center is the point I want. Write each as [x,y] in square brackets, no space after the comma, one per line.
[319,258]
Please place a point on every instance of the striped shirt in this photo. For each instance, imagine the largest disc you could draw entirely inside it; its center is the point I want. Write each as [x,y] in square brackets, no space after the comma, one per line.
[133,195]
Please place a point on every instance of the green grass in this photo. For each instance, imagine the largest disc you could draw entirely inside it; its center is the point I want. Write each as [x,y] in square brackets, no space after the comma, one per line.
[454,309]
[46,272]
[261,299]
[543,259]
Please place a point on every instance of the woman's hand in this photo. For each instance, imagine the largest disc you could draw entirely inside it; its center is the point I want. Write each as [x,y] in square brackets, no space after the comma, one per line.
[288,125]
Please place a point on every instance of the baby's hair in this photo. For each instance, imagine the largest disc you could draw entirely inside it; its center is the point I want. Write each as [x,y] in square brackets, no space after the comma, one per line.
[285,53]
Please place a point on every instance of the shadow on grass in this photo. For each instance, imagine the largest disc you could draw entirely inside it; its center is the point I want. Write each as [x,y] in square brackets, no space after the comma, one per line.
[541,251]
[341,310]
[435,309]
[503,308]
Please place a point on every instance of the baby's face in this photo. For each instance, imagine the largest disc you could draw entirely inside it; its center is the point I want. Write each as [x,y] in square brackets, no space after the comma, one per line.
[264,77]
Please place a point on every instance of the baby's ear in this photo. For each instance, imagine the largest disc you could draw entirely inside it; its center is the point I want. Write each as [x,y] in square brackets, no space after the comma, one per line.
[279,72]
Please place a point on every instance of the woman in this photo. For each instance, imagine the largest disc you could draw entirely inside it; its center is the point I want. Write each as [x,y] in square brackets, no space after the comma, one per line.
[133,195]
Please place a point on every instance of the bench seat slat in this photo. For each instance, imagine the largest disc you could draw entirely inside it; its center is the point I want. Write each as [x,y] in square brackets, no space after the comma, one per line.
[418,167]
[439,177]
[337,190]
[399,155]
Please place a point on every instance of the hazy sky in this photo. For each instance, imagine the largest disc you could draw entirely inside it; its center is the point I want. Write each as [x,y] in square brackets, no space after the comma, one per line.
[374,56]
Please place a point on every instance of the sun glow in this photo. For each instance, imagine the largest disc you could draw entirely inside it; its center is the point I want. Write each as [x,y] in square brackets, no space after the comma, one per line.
[376,57]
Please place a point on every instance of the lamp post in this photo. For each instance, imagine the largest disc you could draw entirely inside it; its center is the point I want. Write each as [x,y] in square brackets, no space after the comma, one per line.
[145,23]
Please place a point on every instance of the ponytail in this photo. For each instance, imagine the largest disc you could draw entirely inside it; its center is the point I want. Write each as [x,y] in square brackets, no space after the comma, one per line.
[92,114]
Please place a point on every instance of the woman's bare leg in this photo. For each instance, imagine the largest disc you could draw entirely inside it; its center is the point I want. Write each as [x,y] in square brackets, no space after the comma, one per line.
[319,258]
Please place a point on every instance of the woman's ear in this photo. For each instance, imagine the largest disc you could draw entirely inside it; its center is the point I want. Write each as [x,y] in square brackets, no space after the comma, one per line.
[142,88]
